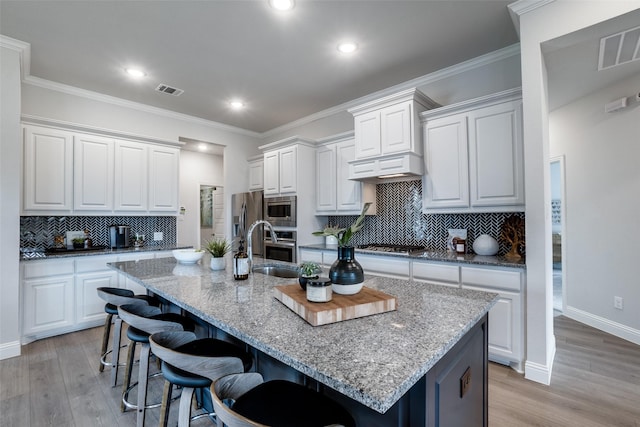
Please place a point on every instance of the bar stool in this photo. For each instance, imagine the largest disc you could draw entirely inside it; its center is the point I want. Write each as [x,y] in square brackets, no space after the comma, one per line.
[193,364]
[274,403]
[113,298]
[144,321]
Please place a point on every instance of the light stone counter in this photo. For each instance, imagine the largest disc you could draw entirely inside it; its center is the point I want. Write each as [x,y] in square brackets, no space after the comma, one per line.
[374,360]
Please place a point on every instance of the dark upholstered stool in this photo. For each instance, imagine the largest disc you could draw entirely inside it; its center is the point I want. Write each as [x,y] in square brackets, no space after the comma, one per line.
[144,321]
[113,298]
[274,403]
[194,364]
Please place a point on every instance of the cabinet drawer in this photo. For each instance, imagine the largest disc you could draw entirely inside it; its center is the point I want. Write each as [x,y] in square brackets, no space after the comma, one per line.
[491,278]
[384,266]
[437,272]
[94,263]
[312,256]
[33,269]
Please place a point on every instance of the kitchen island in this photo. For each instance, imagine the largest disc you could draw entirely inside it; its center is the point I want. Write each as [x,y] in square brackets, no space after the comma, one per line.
[424,364]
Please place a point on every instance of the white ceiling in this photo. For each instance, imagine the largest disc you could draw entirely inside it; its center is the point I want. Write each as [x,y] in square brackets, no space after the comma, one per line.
[285,65]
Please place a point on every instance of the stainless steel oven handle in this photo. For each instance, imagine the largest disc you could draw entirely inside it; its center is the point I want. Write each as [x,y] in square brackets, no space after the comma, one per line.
[280,243]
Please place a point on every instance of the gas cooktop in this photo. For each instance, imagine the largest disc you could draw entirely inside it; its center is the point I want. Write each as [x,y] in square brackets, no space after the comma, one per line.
[381,247]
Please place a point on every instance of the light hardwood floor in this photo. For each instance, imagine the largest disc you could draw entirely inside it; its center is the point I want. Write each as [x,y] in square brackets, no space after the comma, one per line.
[595,382]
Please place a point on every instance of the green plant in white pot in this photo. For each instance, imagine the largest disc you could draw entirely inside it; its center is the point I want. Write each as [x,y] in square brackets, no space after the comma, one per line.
[218,248]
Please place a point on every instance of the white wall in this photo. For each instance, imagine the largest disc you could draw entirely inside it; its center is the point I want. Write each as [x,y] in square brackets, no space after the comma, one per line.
[602,205]
[537,26]
[196,169]
[10,161]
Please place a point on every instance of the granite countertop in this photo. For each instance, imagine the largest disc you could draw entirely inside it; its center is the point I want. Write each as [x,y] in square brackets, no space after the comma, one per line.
[497,261]
[374,360]
[28,255]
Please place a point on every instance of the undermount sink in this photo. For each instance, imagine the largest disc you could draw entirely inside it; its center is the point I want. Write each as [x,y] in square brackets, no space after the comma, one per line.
[276,270]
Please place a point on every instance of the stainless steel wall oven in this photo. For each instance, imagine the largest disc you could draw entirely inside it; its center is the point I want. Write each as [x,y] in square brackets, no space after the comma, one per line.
[284,249]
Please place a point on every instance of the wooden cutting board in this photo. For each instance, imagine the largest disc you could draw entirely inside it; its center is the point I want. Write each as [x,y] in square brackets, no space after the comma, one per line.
[341,307]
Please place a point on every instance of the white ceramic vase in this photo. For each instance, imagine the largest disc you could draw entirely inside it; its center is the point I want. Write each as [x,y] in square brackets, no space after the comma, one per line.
[485,245]
[217,263]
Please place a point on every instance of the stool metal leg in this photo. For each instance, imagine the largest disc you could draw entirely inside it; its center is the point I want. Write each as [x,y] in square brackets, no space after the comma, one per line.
[143,372]
[166,403]
[115,351]
[105,338]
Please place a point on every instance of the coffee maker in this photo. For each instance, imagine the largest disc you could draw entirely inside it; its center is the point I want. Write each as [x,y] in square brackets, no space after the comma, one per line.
[119,236]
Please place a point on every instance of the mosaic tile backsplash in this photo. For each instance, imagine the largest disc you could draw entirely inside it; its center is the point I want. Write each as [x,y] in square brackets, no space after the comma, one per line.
[400,221]
[38,232]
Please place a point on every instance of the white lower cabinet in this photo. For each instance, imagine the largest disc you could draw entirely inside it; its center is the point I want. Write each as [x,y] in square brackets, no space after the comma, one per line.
[92,273]
[48,291]
[311,256]
[506,317]
[60,295]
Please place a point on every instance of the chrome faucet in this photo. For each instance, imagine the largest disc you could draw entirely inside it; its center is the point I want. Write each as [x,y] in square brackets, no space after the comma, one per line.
[274,238]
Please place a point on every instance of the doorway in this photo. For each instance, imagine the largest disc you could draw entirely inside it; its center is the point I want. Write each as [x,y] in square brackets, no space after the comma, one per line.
[211,213]
[556,165]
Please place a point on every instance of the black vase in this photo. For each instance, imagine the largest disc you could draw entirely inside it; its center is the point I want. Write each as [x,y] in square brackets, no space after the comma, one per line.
[346,270]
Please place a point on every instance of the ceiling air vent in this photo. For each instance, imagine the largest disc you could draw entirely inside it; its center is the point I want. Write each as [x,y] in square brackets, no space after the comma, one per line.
[620,48]
[170,90]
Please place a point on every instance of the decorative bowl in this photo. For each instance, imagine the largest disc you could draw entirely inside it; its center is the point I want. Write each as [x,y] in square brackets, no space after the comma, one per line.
[187,256]
[485,245]
[351,289]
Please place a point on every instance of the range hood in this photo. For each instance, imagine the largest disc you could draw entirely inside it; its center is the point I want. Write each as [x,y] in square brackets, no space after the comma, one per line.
[388,137]
[391,168]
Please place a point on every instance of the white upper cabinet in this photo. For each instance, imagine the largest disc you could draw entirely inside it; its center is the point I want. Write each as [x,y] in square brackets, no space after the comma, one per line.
[131,182]
[93,173]
[256,174]
[281,171]
[48,169]
[446,169]
[164,173]
[336,194]
[474,156]
[387,135]
[69,171]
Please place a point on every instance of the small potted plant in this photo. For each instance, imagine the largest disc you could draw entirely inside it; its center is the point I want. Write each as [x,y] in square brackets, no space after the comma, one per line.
[218,248]
[308,270]
[78,243]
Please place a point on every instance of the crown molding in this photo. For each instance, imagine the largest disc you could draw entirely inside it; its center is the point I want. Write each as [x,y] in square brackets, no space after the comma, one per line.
[83,93]
[23,48]
[520,7]
[462,67]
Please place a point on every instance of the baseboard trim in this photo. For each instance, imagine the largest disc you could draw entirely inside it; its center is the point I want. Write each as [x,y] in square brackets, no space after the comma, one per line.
[9,350]
[603,324]
[538,372]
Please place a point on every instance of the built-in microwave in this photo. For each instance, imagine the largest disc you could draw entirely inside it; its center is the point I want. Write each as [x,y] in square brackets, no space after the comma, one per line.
[280,211]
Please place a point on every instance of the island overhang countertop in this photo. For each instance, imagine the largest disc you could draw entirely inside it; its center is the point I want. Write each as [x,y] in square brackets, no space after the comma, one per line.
[374,360]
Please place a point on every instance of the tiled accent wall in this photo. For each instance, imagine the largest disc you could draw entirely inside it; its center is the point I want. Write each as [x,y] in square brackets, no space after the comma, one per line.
[400,221]
[37,232]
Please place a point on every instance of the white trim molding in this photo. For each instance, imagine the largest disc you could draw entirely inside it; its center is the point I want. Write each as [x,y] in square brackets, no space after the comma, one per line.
[603,324]
[9,349]
[538,372]
[521,7]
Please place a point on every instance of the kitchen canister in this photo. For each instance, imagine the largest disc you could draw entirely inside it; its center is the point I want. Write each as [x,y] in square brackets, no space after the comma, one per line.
[485,245]
[319,290]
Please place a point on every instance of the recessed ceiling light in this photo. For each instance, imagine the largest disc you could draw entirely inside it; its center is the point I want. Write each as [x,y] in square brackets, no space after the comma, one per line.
[236,104]
[133,72]
[282,4]
[347,47]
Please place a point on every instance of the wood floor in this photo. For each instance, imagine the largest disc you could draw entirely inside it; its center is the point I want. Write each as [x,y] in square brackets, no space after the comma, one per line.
[595,382]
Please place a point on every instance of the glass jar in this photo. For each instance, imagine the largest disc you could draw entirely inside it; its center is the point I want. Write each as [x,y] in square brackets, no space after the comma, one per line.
[319,290]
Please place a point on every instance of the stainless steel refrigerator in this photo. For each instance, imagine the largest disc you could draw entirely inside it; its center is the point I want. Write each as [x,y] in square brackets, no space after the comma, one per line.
[246,208]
